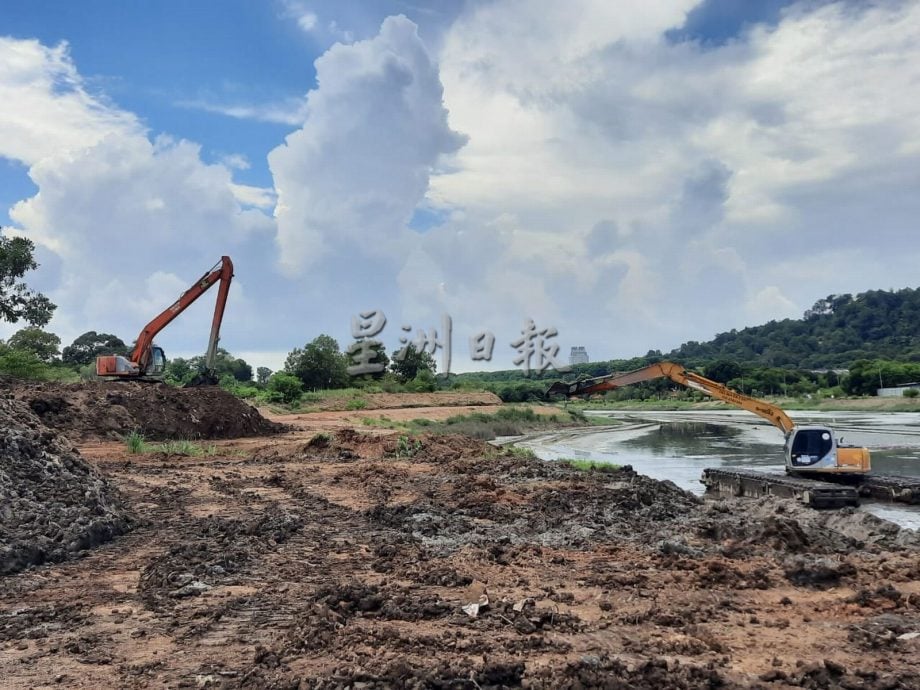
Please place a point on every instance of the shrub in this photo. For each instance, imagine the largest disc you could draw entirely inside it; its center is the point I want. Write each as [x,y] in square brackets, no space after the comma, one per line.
[135,442]
[285,387]
[911,393]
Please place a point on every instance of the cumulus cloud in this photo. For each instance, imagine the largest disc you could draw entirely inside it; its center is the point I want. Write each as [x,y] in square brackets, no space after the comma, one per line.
[349,179]
[122,216]
[656,190]
[587,169]
[46,106]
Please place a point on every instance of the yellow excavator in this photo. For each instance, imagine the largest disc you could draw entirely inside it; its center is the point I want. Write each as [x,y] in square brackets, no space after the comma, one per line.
[808,448]
[820,471]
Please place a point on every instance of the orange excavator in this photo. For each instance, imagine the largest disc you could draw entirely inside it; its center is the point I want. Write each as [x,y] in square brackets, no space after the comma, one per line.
[820,470]
[147,362]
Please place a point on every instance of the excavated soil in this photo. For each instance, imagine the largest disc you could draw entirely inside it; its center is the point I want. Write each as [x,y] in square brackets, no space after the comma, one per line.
[94,410]
[349,560]
[53,505]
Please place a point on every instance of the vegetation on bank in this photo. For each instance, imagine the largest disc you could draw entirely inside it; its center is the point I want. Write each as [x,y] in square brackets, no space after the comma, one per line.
[509,421]
[872,335]
[589,465]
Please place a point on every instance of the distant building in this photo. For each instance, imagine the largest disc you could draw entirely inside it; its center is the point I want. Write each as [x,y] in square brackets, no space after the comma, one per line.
[896,391]
[578,355]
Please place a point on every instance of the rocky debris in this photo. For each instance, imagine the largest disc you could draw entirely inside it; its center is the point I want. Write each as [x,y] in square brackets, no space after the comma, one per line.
[578,510]
[93,410]
[53,504]
[819,573]
[745,527]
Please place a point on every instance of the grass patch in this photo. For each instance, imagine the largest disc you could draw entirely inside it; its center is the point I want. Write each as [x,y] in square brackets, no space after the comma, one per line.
[508,421]
[187,448]
[524,453]
[589,465]
[384,422]
[407,447]
[135,443]
[356,404]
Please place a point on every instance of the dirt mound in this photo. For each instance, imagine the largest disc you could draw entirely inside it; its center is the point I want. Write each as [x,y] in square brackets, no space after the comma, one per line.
[94,410]
[744,527]
[52,503]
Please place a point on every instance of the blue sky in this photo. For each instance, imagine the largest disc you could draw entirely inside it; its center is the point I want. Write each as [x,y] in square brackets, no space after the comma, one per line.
[159,58]
[577,163]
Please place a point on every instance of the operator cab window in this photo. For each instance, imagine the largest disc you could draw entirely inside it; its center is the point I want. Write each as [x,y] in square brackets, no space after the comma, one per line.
[159,361]
[811,445]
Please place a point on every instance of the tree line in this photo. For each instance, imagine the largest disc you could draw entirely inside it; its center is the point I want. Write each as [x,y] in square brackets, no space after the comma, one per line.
[873,334]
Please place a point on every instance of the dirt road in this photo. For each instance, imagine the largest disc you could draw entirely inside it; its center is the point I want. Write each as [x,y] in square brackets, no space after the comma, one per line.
[346,560]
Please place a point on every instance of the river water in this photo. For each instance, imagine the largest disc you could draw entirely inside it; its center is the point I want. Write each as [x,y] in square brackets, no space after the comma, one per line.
[678,445]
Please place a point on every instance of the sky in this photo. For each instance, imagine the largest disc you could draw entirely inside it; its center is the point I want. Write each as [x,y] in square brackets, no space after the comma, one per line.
[634,175]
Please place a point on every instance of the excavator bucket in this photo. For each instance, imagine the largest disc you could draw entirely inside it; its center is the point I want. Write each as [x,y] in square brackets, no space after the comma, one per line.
[205,378]
[558,388]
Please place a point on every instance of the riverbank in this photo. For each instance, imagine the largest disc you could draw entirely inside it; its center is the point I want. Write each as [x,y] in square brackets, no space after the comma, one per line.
[866,404]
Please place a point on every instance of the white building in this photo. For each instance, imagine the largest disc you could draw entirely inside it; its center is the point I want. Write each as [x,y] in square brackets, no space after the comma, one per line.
[896,391]
[578,355]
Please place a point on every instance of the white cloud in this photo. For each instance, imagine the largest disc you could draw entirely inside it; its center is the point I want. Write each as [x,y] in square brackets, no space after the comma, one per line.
[349,179]
[287,112]
[657,188]
[46,107]
[633,192]
[298,11]
[129,221]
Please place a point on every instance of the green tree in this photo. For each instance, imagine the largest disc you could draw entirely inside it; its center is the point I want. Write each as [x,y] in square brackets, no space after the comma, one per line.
[285,387]
[225,364]
[179,371]
[263,374]
[413,361]
[723,371]
[378,358]
[319,364]
[20,363]
[17,301]
[90,345]
[44,345]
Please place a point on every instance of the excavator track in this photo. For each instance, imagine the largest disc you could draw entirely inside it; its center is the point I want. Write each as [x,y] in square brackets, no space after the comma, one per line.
[891,487]
[817,494]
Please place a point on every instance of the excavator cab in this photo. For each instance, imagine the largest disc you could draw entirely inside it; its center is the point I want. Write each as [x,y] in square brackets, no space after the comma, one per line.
[157,366]
[815,449]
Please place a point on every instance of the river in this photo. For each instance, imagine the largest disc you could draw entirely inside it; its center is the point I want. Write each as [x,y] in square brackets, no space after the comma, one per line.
[678,445]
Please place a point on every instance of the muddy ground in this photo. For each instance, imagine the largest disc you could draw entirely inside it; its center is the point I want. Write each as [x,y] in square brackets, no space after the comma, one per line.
[345,560]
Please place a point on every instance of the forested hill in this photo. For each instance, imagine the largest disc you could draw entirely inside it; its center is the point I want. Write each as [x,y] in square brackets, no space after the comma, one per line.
[835,332]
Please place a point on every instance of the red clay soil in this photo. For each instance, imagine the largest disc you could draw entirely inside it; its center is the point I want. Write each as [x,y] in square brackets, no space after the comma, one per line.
[352,561]
[392,401]
[94,410]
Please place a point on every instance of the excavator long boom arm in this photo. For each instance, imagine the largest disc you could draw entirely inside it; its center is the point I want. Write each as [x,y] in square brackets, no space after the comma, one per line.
[678,374]
[223,272]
